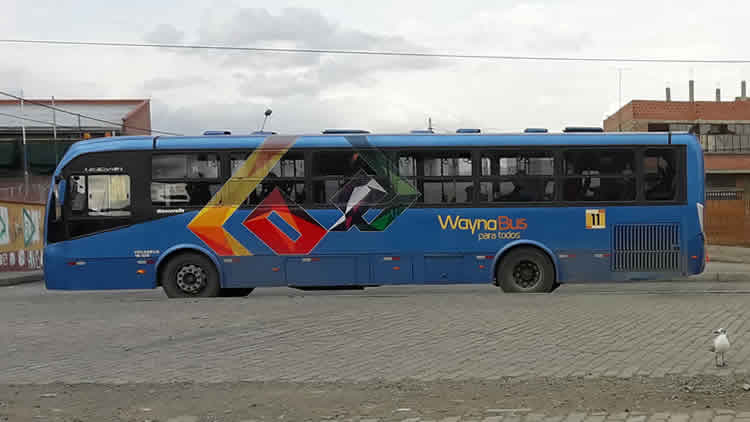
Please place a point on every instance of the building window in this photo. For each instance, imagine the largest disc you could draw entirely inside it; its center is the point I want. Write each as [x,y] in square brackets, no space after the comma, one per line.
[658,127]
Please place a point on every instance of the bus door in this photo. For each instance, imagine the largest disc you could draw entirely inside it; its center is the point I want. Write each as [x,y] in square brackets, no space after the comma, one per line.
[101,207]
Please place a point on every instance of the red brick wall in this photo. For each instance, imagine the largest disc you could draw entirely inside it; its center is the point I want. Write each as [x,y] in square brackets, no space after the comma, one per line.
[642,111]
[138,122]
[727,161]
[685,110]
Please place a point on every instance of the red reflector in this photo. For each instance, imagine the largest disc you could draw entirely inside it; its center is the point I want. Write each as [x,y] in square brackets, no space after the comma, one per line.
[481,267]
[694,256]
[275,269]
[396,268]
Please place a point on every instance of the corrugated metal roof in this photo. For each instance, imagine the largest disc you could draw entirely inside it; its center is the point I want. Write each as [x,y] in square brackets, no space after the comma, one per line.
[113,112]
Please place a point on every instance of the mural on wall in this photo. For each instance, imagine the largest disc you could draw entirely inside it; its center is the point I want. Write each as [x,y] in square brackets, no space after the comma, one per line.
[21,237]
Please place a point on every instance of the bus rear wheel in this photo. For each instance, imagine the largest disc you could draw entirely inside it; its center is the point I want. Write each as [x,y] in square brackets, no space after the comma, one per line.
[526,270]
[190,275]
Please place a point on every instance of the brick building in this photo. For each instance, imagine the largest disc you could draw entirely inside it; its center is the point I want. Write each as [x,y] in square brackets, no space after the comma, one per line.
[49,133]
[723,128]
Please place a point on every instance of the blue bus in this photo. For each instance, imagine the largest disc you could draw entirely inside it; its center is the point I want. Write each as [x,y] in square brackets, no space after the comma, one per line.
[221,215]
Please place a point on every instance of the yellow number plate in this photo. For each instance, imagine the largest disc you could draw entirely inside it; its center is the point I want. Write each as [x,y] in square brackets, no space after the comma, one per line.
[596,219]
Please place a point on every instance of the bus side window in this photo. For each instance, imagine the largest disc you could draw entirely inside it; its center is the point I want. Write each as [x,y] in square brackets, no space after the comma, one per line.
[660,174]
[180,180]
[601,175]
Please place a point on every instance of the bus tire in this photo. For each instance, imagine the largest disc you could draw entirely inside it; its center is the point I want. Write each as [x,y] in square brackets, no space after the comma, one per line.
[242,292]
[526,270]
[190,274]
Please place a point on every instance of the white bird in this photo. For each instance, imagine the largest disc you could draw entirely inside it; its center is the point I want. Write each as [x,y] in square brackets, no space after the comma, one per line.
[720,346]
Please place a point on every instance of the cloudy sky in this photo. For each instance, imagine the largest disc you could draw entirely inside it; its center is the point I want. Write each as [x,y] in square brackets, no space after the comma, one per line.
[196,90]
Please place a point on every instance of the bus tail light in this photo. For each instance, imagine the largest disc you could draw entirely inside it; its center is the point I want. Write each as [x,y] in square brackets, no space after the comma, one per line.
[140,272]
[391,258]
[76,263]
[700,216]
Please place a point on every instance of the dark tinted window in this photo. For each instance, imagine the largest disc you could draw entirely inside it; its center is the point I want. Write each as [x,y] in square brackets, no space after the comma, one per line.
[660,175]
[287,175]
[599,162]
[599,175]
[452,192]
[182,194]
[441,177]
[292,164]
[185,166]
[447,164]
[518,190]
[518,164]
[338,164]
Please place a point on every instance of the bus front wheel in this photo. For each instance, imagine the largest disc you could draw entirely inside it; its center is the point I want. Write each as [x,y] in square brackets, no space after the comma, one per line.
[526,270]
[190,275]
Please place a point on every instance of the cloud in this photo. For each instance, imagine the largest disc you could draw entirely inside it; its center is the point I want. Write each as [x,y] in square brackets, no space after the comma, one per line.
[165,34]
[167,84]
[285,75]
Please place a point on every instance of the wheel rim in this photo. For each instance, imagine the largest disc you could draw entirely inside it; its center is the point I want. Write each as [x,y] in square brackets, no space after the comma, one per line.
[191,279]
[527,275]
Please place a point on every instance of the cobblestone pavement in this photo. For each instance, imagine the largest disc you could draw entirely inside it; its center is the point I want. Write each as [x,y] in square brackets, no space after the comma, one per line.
[390,333]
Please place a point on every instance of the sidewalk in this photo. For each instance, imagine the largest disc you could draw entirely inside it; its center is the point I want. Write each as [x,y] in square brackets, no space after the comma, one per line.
[733,254]
[17,277]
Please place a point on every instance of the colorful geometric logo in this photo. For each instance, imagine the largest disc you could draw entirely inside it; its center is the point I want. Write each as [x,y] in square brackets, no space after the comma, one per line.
[286,227]
[307,232]
[208,225]
[359,195]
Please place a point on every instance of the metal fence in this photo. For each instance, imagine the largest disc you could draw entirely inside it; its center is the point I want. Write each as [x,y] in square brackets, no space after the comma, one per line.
[725,143]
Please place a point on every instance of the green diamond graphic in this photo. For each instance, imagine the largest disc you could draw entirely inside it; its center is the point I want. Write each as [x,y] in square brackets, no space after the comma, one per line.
[29,228]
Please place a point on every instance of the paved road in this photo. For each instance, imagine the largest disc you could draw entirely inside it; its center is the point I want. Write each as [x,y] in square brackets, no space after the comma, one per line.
[391,333]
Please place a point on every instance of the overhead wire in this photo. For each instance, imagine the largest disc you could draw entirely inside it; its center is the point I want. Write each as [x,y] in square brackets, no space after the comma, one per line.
[379,52]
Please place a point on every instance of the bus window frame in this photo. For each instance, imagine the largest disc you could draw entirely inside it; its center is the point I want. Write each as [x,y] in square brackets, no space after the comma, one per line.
[222,157]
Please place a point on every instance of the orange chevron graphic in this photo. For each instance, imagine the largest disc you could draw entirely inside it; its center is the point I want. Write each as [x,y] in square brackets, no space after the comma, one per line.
[208,225]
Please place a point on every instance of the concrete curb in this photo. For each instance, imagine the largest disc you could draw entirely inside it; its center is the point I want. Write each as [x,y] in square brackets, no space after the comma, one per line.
[20,279]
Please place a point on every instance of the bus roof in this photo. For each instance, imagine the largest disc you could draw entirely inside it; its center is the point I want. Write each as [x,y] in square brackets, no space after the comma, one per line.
[409,140]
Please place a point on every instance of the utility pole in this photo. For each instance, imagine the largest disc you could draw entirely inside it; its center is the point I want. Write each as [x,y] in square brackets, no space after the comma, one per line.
[619,96]
[25,153]
[54,129]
